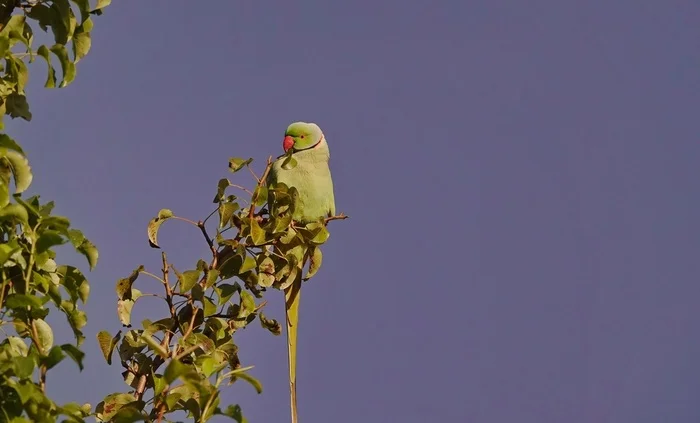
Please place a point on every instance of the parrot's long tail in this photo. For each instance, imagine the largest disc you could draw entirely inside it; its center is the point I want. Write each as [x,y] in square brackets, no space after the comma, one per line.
[291,296]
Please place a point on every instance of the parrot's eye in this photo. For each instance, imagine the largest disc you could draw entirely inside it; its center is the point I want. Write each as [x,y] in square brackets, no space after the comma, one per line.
[302,136]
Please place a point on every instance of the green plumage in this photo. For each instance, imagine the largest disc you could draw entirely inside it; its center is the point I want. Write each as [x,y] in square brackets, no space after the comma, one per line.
[312,178]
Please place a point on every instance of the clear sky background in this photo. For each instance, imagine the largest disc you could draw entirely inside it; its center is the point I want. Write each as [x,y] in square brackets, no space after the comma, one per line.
[522,181]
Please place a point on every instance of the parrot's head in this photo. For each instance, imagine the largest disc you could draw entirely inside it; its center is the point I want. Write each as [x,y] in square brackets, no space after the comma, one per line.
[301,136]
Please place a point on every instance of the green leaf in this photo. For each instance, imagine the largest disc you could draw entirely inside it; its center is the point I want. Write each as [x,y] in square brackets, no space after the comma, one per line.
[188,279]
[19,167]
[124,285]
[75,410]
[10,144]
[158,383]
[260,195]
[282,223]
[248,264]
[257,234]
[107,343]
[236,163]
[221,189]
[154,345]
[234,412]
[4,191]
[54,356]
[250,379]
[17,347]
[247,305]
[225,291]
[81,45]
[112,403]
[15,29]
[43,14]
[7,251]
[17,301]
[23,366]
[14,212]
[75,236]
[315,262]
[212,276]
[124,307]
[45,334]
[4,44]
[64,22]
[56,223]
[154,225]
[49,239]
[74,282]
[293,266]
[200,340]
[43,51]
[174,370]
[209,307]
[270,324]
[77,319]
[226,211]
[319,231]
[208,365]
[67,67]
[89,250]
[266,272]
[17,106]
[101,4]
[289,163]
[74,353]
[84,8]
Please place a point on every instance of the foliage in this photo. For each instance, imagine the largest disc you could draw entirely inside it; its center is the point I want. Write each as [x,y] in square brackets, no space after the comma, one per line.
[181,360]
[32,283]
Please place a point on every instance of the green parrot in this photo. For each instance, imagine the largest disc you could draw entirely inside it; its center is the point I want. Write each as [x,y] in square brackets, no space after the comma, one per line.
[312,178]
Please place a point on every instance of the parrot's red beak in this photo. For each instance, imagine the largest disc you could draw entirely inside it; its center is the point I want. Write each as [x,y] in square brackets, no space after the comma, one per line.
[287,143]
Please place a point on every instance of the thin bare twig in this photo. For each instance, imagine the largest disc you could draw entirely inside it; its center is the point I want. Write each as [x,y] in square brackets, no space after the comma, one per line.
[210,215]
[253,173]
[243,188]
[191,326]
[184,219]
[147,273]
[210,243]
[341,216]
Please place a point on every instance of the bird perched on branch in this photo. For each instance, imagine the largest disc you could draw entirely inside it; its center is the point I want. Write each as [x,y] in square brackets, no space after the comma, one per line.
[306,145]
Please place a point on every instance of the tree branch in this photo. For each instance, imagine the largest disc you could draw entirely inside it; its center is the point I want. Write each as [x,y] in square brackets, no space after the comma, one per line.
[341,216]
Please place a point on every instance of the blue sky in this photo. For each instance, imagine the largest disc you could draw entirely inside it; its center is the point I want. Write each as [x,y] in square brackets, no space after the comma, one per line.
[521,179]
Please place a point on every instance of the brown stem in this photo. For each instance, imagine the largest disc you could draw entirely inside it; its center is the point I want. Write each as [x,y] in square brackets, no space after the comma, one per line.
[261,181]
[210,215]
[341,216]
[210,243]
[243,188]
[165,343]
[42,378]
[184,219]
[34,334]
[189,329]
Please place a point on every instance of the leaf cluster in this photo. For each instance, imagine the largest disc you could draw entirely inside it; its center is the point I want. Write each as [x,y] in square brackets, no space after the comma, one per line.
[32,283]
[180,361]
